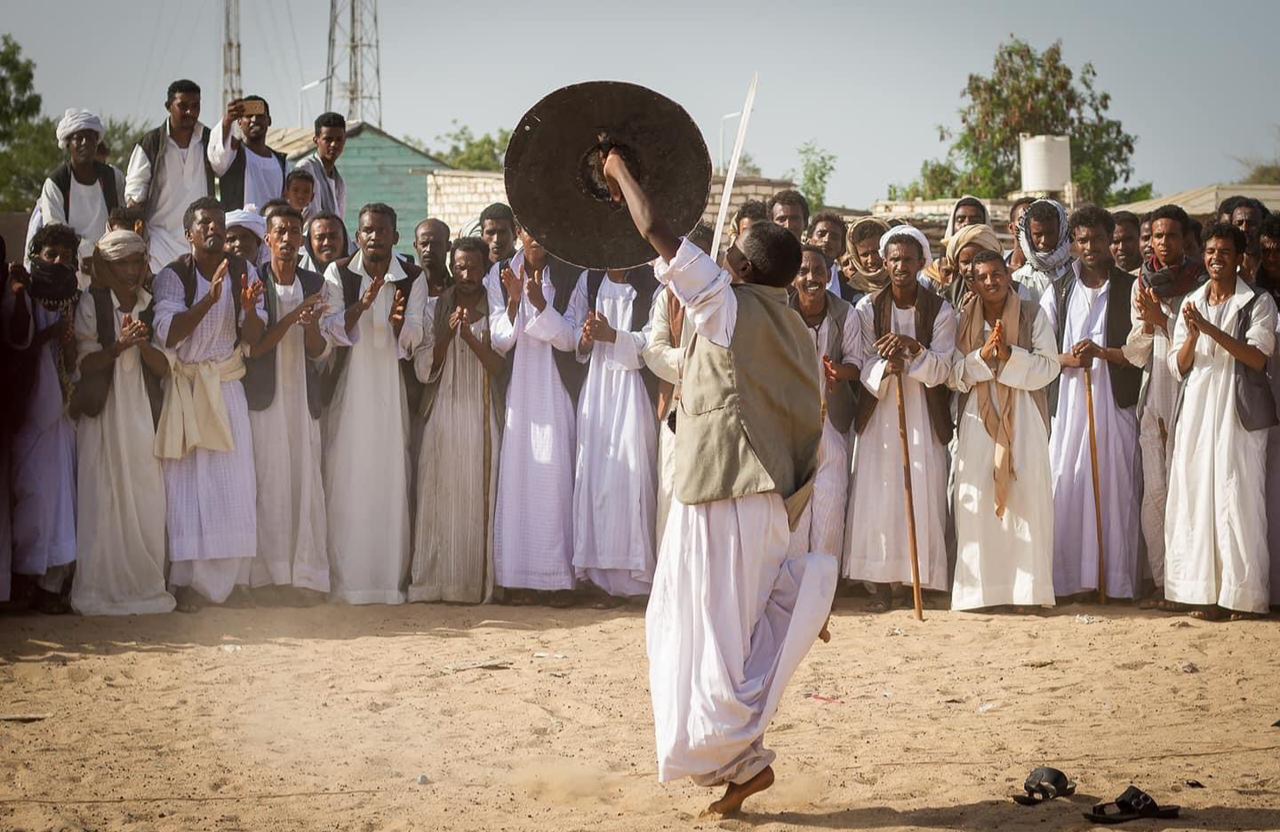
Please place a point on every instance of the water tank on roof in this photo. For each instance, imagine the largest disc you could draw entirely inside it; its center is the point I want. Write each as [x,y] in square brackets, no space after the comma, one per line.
[1046,162]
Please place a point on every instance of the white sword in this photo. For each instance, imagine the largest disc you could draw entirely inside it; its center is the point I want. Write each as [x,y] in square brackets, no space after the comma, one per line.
[732,171]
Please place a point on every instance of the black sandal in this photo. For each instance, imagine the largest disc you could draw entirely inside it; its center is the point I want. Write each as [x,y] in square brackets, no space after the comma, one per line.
[1044,784]
[1132,805]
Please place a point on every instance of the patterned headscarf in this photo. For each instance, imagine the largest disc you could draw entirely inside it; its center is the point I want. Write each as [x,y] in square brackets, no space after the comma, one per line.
[1050,262]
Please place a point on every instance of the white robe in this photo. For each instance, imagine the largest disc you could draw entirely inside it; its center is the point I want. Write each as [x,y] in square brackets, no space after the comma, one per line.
[1155,427]
[120,552]
[366,442]
[184,182]
[877,547]
[1075,536]
[1216,523]
[88,213]
[1005,560]
[292,537]
[43,461]
[614,487]
[533,532]
[1273,482]
[211,496]
[664,359]
[731,615]
[457,492]
[823,527]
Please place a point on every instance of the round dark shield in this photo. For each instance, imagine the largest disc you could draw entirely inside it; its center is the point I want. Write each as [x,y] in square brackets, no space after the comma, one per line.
[555,185]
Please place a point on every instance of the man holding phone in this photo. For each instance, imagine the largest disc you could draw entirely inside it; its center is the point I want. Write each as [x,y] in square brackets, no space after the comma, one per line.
[249,172]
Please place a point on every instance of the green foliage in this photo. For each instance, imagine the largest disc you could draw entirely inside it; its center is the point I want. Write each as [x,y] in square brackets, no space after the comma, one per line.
[748,166]
[1138,193]
[19,102]
[121,136]
[1262,173]
[462,149]
[26,160]
[816,167]
[1036,93]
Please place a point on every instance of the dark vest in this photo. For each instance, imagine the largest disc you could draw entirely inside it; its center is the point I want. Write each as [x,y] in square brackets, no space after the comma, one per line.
[260,370]
[564,279]
[841,401]
[1255,403]
[1126,382]
[641,278]
[231,183]
[91,391]
[62,176]
[351,295]
[237,270]
[937,399]
[153,144]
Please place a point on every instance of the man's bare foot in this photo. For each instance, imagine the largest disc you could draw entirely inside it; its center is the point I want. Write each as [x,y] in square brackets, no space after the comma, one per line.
[825,632]
[736,793]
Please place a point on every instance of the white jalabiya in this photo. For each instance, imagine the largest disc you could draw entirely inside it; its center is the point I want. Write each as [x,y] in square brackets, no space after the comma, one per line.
[366,442]
[877,546]
[1075,536]
[823,527]
[1216,526]
[453,533]
[292,536]
[1273,480]
[43,462]
[88,211]
[211,496]
[1150,350]
[731,615]
[615,479]
[121,547]
[1005,560]
[183,183]
[533,532]
[263,176]
[664,359]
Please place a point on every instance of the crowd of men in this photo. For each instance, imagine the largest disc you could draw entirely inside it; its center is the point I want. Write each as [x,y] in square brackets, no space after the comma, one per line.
[242,402]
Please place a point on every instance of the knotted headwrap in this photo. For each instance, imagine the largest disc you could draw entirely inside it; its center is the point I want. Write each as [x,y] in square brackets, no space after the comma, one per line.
[983,235]
[1052,261]
[74,120]
[118,245]
[249,218]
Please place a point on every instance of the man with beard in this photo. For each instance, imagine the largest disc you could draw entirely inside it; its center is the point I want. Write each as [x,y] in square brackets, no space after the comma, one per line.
[431,244]
[249,172]
[120,496]
[38,309]
[790,210]
[168,171]
[209,307]
[1156,297]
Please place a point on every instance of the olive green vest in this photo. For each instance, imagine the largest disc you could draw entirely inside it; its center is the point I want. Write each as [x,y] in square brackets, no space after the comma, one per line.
[750,415]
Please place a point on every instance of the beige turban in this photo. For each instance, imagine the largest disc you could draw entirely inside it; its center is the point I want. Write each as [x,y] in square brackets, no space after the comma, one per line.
[983,235]
[117,245]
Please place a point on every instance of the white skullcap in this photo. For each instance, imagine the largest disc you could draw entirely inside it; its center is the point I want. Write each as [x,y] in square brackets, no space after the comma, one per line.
[906,231]
[73,121]
[249,218]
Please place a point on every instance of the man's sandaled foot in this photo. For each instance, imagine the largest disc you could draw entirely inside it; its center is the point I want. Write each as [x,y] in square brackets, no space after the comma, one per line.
[1208,614]
[881,598]
[1246,616]
[188,600]
[239,599]
[49,603]
[736,793]
[561,599]
[825,632]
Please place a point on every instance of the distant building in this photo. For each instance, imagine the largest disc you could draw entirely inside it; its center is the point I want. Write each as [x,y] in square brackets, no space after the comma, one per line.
[1203,202]
[377,167]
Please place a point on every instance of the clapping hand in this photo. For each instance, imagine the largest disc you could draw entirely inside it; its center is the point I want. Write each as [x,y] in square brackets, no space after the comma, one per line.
[310,311]
[995,349]
[250,293]
[598,325]
[533,288]
[396,317]
[1149,309]
[371,294]
[219,278]
[132,333]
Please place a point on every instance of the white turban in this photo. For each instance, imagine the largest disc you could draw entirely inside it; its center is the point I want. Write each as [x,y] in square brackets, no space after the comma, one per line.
[117,245]
[906,231]
[73,121]
[248,218]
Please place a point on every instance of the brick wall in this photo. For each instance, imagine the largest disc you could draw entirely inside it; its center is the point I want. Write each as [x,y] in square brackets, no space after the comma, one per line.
[458,196]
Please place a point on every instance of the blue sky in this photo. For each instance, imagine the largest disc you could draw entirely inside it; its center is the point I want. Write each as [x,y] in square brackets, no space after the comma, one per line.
[869,82]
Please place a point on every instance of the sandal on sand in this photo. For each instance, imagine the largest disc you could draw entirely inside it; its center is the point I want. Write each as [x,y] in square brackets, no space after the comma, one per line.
[1045,784]
[1132,805]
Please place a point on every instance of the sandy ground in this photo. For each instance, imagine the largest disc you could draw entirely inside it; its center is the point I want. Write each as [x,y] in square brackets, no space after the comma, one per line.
[532,718]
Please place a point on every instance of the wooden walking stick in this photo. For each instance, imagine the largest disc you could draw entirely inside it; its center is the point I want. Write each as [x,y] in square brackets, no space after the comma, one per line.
[911,503]
[1097,488]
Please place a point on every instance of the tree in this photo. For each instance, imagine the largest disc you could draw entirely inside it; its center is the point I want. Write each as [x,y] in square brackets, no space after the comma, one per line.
[816,167]
[748,166]
[121,136]
[465,150]
[1035,93]
[19,102]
